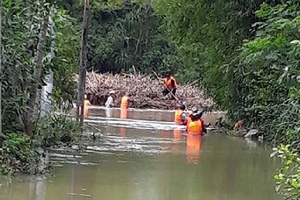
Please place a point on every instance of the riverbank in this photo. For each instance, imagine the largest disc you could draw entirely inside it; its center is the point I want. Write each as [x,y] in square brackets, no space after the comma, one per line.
[146,91]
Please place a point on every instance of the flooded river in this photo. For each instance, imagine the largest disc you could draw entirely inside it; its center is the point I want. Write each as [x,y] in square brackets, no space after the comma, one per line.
[152,160]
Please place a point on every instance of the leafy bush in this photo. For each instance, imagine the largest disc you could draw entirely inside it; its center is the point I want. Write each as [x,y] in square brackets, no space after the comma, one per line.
[17,154]
[56,129]
[288,176]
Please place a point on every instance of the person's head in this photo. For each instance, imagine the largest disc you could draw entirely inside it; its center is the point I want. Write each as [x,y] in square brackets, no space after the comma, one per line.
[182,107]
[128,94]
[111,92]
[85,96]
[194,109]
[194,116]
[168,74]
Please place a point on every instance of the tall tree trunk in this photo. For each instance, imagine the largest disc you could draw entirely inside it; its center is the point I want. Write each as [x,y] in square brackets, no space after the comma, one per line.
[83,63]
[47,89]
[37,74]
[1,134]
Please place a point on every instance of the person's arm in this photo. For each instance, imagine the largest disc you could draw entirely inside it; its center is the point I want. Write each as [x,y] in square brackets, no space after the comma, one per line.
[183,119]
[173,83]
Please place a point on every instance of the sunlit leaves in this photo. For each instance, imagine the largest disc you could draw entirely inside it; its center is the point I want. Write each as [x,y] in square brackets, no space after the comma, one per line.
[288,175]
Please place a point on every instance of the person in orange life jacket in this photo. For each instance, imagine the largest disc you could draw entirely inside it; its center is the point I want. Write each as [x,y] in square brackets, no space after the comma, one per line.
[86,105]
[170,84]
[194,111]
[180,117]
[126,100]
[198,116]
[195,126]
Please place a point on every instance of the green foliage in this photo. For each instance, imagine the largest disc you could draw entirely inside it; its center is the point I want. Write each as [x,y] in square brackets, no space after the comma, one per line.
[207,36]
[241,58]
[267,71]
[66,61]
[23,129]
[126,34]
[54,130]
[17,154]
[19,64]
[288,176]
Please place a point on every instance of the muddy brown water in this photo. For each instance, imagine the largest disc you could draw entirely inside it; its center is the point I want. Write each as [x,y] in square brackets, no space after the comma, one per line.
[140,163]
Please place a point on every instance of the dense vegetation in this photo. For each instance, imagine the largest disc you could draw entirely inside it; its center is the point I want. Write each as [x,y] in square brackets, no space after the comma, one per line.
[247,55]
[38,38]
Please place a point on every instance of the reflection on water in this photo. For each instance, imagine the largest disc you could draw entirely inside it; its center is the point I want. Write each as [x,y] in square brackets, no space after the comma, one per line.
[124,113]
[109,112]
[123,132]
[193,146]
[137,164]
[176,141]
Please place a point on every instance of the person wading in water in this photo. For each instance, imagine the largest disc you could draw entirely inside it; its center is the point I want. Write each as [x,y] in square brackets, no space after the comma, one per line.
[180,116]
[126,100]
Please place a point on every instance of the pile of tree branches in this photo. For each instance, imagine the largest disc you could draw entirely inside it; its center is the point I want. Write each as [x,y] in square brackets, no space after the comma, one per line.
[146,91]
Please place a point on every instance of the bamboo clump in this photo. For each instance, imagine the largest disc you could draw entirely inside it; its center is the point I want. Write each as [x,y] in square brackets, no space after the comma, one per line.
[146,91]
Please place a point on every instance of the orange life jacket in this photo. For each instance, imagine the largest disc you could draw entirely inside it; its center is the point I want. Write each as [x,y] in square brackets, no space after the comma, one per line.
[195,128]
[188,120]
[168,82]
[177,117]
[86,104]
[124,102]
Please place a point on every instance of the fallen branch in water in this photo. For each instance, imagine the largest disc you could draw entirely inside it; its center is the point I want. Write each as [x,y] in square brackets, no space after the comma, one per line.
[147,92]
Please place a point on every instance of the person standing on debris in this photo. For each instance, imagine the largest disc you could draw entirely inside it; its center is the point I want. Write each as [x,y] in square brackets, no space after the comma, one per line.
[180,117]
[110,101]
[170,84]
[126,100]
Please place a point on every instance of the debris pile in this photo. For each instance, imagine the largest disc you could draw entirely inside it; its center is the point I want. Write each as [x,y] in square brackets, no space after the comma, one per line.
[146,91]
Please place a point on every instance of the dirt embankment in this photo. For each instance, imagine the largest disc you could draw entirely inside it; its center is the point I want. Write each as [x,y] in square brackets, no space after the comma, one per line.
[146,91]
